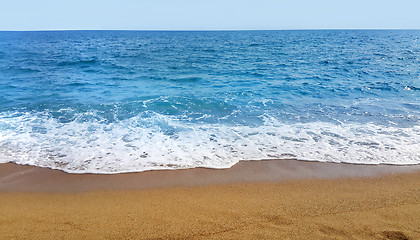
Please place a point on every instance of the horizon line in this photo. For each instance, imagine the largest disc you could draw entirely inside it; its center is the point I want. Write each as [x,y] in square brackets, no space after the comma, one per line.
[204,30]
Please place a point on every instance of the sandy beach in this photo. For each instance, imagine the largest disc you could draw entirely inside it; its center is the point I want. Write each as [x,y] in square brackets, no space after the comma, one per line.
[283,199]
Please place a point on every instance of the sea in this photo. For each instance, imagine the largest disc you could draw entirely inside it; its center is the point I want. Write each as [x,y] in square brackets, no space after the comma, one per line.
[131,101]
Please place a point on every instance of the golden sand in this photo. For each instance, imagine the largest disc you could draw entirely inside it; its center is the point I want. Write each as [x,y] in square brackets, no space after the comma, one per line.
[385,207]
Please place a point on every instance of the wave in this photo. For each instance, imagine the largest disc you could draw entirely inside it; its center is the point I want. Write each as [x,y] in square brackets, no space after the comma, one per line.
[16,69]
[78,63]
[186,79]
[411,88]
[157,141]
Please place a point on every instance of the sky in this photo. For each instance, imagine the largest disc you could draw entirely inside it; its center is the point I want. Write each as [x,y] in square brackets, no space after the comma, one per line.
[17,15]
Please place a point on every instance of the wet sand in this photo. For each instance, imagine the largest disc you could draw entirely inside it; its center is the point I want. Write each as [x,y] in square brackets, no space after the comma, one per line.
[283,199]
[17,178]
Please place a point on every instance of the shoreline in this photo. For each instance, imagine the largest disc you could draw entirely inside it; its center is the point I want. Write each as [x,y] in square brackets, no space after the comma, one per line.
[26,178]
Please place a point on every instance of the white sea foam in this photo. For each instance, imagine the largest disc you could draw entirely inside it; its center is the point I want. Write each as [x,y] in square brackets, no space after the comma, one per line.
[161,142]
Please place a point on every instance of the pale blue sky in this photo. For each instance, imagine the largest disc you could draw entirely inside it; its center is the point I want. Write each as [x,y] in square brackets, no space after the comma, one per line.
[208,14]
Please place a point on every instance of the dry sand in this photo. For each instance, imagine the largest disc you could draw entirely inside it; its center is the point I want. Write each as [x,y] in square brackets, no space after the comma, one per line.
[253,200]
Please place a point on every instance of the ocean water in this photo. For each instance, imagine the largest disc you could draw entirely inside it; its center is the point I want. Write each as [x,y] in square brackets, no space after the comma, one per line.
[128,101]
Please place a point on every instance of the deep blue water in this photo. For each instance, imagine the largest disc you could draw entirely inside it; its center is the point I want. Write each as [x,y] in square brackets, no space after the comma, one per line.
[120,101]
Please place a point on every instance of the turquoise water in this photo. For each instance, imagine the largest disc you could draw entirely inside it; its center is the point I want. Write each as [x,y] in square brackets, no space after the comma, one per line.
[126,101]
